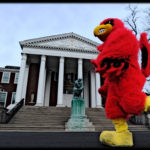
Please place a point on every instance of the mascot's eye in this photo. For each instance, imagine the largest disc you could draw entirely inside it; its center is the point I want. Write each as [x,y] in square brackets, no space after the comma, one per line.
[110,22]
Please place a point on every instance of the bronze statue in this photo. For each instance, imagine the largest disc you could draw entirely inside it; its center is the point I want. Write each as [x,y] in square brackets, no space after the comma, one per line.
[77,89]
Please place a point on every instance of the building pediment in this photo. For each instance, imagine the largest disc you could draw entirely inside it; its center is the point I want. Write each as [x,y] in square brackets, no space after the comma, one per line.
[69,41]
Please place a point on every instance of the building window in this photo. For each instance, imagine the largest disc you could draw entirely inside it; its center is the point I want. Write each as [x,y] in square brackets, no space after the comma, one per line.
[13,98]
[3,97]
[5,77]
[16,77]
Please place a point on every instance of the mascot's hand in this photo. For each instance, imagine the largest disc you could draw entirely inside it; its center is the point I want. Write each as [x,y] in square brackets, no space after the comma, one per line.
[102,91]
[110,65]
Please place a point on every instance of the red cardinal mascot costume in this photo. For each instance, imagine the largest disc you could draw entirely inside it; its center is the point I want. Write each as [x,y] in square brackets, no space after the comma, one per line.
[118,63]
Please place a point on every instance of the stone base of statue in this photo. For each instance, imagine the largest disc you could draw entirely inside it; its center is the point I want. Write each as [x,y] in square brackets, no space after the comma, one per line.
[78,120]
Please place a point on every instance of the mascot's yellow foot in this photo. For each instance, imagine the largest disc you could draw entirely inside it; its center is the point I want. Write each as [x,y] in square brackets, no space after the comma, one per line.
[147,104]
[113,138]
[121,137]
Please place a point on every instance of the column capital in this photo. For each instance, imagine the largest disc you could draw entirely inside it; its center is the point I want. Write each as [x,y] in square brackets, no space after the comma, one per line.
[24,56]
[80,60]
[43,58]
[61,60]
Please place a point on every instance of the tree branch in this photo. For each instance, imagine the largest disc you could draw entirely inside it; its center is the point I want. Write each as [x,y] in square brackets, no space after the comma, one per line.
[131,20]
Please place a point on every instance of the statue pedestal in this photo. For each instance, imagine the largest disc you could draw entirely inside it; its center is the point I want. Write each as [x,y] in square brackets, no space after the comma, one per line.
[78,120]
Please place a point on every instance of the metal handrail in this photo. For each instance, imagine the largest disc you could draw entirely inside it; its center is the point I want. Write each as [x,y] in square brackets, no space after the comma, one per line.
[6,115]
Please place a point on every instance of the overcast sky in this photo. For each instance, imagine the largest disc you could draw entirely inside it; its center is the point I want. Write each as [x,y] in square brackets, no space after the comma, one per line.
[20,22]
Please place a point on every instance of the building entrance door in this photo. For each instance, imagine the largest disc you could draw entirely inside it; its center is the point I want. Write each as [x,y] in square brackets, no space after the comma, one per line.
[53,89]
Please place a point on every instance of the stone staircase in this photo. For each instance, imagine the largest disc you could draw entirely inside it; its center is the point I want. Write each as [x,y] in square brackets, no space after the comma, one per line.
[52,119]
[34,118]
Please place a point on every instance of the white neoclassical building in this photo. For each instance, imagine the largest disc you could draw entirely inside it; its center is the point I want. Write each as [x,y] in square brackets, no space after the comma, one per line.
[49,67]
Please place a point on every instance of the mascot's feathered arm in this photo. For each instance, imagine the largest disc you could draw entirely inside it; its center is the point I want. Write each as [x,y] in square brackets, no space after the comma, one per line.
[100,47]
[103,89]
[145,49]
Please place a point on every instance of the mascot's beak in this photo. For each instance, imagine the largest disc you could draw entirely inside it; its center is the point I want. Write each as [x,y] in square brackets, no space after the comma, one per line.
[102,31]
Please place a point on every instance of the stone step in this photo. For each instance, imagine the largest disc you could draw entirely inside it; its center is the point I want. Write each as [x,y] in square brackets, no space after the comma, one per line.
[33,122]
[38,120]
[57,111]
[45,109]
[33,128]
[32,125]
[98,114]
[26,108]
[60,108]
[37,112]
[98,117]
[40,116]
[53,110]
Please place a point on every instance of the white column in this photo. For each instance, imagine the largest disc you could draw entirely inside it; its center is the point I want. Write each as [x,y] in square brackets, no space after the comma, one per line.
[60,83]
[25,82]
[98,97]
[93,96]
[21,78]
[86,89]
[80,72]
[47,89]
[43,92]
[80,69]
[41,82]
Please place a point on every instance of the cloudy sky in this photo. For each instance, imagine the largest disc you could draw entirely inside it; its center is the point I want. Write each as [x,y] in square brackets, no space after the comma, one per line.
[25,21]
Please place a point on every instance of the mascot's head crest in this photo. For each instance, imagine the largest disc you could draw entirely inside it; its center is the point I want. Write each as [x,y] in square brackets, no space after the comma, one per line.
[106,27]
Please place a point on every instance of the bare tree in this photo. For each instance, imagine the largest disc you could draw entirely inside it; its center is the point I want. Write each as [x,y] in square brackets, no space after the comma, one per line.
[147,21]
[146,28]
[131,20]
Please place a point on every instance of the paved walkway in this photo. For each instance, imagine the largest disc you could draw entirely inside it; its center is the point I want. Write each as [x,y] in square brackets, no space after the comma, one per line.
[63,140]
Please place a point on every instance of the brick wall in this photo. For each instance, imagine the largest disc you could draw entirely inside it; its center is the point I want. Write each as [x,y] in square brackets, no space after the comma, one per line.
[9,87]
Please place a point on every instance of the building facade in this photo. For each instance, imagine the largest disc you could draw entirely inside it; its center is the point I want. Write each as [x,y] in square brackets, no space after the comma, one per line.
[50,66]
[8,84]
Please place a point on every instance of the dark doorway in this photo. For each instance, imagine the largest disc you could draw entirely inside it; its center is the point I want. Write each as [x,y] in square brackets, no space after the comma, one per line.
[32,84]
[53,89]
[89,82]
